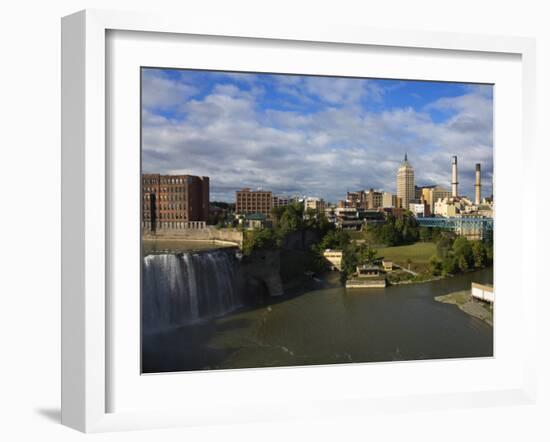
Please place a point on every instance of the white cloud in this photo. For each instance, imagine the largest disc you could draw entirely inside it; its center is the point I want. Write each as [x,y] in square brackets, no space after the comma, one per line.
[330,90]
[161,92]
[226,136]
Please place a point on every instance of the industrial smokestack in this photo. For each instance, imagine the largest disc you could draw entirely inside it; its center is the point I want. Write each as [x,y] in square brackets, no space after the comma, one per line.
[478,184]
[454,178]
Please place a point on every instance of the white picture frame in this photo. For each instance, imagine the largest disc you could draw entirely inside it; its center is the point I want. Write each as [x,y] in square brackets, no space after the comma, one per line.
[86,351]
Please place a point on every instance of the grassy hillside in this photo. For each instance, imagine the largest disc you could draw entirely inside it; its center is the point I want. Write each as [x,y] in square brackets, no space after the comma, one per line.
[419,254]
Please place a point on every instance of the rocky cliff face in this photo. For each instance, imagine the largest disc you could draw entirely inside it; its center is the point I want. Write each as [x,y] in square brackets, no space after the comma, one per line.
[302,240]
[260,274]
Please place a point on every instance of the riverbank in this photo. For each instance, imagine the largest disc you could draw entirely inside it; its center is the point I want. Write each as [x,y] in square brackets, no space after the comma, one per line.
[421,280]
[464,301]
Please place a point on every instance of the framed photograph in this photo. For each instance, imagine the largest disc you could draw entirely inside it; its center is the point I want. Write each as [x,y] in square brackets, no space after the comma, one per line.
[282,223]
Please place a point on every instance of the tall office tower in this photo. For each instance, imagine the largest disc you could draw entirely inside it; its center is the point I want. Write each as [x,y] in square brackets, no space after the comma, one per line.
[454,178]
[405,183]
[478,184]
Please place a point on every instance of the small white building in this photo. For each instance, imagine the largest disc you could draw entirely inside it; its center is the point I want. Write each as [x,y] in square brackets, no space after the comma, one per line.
[483,292]
[334,257]
[418,209]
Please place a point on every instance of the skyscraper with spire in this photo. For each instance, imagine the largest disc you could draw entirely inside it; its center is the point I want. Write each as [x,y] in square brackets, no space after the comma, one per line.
[405,183]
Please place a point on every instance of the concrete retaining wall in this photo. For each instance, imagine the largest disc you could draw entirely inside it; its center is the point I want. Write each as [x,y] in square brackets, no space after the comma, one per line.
[207,234]
[365,283]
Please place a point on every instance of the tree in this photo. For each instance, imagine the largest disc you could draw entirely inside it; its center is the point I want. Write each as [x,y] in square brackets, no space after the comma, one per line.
[366,254]
[390,235]
[488,245]
[310,213]
[277,213]
[291,219]
[425,234]
[463,263]
[334,239]
[410,230]
[435,233]
[259,239]
[449,265]
[324,225]
[444,246]
[489,253]
[462,248]
[435,266]
[349,261]
[479,254]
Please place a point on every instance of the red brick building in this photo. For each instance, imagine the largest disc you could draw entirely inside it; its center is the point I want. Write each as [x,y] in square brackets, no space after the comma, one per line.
[174,201]
[253,201]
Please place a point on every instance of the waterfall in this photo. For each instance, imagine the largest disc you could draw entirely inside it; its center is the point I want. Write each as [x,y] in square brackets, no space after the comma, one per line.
[181,288]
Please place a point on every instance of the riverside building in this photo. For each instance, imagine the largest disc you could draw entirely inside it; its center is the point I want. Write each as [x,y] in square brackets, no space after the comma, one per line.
[174,201]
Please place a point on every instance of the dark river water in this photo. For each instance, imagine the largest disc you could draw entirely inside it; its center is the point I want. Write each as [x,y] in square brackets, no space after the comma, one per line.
[327,325]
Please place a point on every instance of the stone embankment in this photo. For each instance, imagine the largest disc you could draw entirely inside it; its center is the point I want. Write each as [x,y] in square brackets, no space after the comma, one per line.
[464,301]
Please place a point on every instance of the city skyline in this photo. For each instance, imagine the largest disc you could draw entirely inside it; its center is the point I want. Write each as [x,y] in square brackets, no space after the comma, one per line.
[316,136]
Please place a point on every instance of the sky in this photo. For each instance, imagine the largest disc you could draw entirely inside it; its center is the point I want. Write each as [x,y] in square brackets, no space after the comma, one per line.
[309,135]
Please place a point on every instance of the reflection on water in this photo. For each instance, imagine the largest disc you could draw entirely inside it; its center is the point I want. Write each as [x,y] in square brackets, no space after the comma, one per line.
[330,325]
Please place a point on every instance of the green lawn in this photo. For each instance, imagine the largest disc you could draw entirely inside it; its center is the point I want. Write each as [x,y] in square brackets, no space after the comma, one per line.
[419,254]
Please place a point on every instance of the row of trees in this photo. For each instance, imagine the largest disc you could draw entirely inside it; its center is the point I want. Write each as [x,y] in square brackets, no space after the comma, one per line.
[458,254]
[395,231]
[293,218]
[286,220]
[454,253]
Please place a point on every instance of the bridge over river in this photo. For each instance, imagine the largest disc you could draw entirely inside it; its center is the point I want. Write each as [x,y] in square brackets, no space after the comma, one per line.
[466,226]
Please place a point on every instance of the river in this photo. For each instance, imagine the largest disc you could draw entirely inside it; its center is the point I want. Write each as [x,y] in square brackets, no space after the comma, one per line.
[328,324]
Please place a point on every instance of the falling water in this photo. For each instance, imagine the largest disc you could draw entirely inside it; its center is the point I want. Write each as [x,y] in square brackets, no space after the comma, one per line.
[185,287]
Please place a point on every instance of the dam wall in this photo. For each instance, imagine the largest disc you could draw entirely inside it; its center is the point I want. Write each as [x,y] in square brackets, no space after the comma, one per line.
[209,233]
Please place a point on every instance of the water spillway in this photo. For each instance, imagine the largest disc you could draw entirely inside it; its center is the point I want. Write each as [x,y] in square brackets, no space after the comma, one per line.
[181,288]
